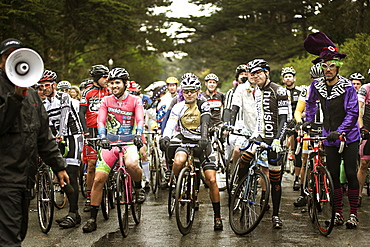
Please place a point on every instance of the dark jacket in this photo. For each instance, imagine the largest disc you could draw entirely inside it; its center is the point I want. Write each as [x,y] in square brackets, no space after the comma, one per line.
[24,136]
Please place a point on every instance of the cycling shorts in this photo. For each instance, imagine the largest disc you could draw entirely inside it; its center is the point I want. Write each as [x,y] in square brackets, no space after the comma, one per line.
[110,157]
[365,150]
[211,165]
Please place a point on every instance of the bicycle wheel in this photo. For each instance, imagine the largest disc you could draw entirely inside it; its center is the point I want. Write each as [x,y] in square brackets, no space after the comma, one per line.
[82,179]
[185,204]
[171,194]
[135,207]
[234,179]
[154,164]
[60,197]
[105,202]
[221,168]
[249,202]
[45,199]
[111,185]
[229,171]
[122,205]
[323,201]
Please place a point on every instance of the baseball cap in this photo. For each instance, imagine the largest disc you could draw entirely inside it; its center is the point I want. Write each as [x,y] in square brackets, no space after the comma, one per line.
[9,43]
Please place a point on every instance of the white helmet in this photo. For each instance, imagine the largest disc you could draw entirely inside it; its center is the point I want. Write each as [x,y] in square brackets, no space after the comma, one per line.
[211,77]
[63,85]
[288,70]
[357,76]
[190,83]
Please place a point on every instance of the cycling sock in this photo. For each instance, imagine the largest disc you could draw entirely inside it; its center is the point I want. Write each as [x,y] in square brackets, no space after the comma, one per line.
[353,200]
[296,178]
[302,192]
[72,172]
[338,197]
[245,161]
[94,211]
[145,166]
[138,185]
[216,209]
[275,180]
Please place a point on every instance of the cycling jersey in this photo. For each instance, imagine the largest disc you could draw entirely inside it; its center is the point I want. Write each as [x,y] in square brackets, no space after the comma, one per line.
[293,96]
[244,99]
[271,102]
[364,96]
[91,99]
[228,106]
[216,102]
[120,118]
[188,117]
[162,108]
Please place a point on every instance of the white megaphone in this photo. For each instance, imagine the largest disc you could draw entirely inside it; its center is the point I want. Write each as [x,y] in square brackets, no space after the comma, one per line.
[24,67]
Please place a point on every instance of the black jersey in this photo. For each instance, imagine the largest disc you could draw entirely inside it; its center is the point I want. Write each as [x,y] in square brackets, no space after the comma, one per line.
[216,103]
[293,96]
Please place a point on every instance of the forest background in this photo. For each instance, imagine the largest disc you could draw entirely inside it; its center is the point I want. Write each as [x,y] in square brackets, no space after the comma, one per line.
[72,35]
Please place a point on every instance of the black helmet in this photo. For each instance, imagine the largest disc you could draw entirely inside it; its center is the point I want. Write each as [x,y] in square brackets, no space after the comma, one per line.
[98,71]
[257,64]
[118,73]
[241,68]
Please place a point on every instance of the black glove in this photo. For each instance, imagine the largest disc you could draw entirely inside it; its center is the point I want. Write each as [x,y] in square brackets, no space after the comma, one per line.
[138,141]
[105,143]
[365,135]
[333,136]
[308,125]
[203,142]
[298,126]
[164,142]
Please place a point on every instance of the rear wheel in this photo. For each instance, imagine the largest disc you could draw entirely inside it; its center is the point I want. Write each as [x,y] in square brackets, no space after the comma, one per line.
[60,197]
[221,169]
[154,166]
[171,194]
[249,202]
[105,202]
[82,179]
[135,208]
[45,199]
[323,201]
[185,204]
[122,205]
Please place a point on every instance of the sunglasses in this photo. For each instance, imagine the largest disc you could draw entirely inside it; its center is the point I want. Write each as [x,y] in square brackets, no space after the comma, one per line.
[45,85]
[186,91]
[258,72]
[328,66]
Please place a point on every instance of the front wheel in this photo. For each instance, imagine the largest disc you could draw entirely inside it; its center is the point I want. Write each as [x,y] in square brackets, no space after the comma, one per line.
[45,199]
[154,166]
[185,203]
[60,197]
[122,204]
[171,194]
[249,202]
[323,200]
[105,202]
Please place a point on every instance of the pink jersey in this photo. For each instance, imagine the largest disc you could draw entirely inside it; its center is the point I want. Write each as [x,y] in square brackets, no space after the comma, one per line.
[121,118]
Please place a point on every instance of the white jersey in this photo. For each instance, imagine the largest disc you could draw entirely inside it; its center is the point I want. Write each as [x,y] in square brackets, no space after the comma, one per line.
[244,99]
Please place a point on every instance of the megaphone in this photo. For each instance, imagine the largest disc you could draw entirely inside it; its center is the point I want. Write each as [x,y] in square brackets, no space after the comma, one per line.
[24,67]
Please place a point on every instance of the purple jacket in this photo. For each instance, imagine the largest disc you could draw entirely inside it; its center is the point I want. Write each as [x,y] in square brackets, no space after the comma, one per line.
[342,92]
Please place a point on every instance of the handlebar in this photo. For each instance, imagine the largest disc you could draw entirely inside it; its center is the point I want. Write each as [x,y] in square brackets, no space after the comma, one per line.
[262,145]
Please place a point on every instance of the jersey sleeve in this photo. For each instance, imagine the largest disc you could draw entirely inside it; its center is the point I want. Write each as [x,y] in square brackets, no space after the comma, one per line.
[139,116]
[362,94]
[102,117]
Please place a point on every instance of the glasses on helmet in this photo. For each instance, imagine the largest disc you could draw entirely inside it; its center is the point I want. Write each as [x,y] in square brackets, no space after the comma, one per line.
[258,72]
[64,89]
[44,85]
[187,91]
[328,66]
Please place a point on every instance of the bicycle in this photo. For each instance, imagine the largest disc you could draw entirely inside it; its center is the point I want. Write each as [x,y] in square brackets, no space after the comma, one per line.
[124,192]
[45,196]
[318,183]
[187,189]
[219,151]
[249,200]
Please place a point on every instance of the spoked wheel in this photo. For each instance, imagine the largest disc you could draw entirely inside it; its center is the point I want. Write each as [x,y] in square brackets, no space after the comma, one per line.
[82,180]
[105,202]
[229,171]
[249,202]
[45,200]
[234,180]
[122,205]
[60,197]
[185,204]
[171,194]
[135,207]
[221,171]
[323,201]
[154,166]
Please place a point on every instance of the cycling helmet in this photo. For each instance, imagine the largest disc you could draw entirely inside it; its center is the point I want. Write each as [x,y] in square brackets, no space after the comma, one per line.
[241,68]
[257,64]
[186,75]
[98,71]
[133,87]
[190,83]
[211,77]
[357,76]
[48,75]
[63,85]
[172,80]
[288,70]
[118,73]
[316,71]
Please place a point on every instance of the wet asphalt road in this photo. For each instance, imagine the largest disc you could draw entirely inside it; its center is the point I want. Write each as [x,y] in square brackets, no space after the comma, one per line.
[158,229]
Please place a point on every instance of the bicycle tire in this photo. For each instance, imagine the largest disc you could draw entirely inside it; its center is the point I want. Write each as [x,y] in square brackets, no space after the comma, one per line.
[105,206]
[135,207]
[111,186]
[249,203]
[323,201]
[234,180]
[60,197]
[229,170]
[154,170]
[185,205]
[82,180]
[45,199]
[221,169]
[171,194]
[122,204]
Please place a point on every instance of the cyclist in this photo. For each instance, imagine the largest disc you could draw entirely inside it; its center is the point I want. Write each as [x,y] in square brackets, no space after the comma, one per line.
[272,110]
[117,118]
[315,73]
[339,103]
[172,83]
[65,86]
[66,127]
[89,106]
[364,123]
[289,77]
[357,80]
[193,116]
